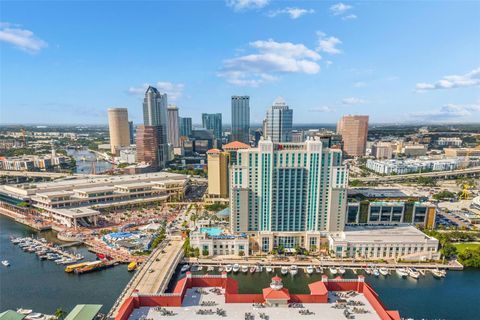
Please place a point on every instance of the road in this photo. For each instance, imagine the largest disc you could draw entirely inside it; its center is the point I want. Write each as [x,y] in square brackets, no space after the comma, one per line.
[474,170]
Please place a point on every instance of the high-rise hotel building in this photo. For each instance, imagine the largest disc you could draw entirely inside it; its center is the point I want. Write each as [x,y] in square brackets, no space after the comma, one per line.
[241,119]
[288,194]
[354,131]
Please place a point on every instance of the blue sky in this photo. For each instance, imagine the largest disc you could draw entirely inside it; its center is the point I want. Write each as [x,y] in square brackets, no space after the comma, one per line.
[67,62]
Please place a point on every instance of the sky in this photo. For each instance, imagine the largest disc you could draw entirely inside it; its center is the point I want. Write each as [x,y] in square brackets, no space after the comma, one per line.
[67,62]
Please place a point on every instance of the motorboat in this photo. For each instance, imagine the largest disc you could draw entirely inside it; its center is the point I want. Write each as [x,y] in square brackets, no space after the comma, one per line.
[185,268]
[6,263]
[414,273]
[310,269]
[199,268]
[402,272]
[253,269]
[220,269]
[228,268]
[258,268]
[284,270]
[210,268]
[132,266]
[318,270]
[15,240]
[341,270]
[24,311]
[244,269]
[376,272]
[368,271]
[383,271]
[293,270]
[437,273]
[236,267]
[333,270]
[269,269]
[354,271]
[34,316]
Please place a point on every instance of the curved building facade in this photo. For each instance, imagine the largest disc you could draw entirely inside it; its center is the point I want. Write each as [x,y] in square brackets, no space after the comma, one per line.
[119,129]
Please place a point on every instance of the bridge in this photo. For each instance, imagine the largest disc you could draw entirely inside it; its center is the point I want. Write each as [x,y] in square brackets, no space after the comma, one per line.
[155,274]
[436,174]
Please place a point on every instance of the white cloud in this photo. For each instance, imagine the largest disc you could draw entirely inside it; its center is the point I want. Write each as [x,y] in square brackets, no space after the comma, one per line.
[448,112]
[353,101]
[22,39]
[349,17]
[359,84]
[239,5]
[173,90]
[294,13]
[340,8]
[328,44]
[271,58]
[321,109]
[469,79]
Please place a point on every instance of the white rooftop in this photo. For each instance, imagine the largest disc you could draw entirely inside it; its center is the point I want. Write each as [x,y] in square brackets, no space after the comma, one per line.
[236,311]
[381,234]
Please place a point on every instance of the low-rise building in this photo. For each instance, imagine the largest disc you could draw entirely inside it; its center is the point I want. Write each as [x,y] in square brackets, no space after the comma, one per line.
[462,152]
[414,150]
[28,163]
[374,243]
[218,244]
[382,150]
[395,166]
[449,142]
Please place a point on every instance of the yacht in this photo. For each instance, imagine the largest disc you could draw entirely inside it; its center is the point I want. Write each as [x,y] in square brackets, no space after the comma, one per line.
[310,269]
[402,272]
[228,268]
[333,270]
[210,268]
[318,270]
[15,240]
[244,268]
[5,263]
[437,273]
[284,270]
[383,271]
[341,270]
[269,269]
[293,270]
[376,272]
[185,268]
[34,316]
[236,267]
[24,311]
[414,273]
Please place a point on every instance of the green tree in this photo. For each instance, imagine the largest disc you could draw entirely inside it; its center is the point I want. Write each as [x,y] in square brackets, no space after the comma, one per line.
[59,313]
[448,250]
[196,252]
[205,252]
[241,253]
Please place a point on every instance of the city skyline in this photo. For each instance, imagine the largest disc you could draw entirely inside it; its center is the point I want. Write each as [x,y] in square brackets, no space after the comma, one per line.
[326,60]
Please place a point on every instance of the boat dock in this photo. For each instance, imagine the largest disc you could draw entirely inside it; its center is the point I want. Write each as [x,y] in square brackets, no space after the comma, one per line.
[154,275]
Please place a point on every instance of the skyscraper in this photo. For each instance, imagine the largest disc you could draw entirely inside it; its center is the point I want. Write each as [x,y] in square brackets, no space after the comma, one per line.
[213,121]
[119,129]
[288,194]
[132,132]
[354,131]
[279,122]
[155,114]
[173,126]
[185,127]
[241,119]
[217,173]
[148,145]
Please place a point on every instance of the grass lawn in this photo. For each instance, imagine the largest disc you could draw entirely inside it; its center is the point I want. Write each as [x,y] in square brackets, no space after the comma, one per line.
[462,246]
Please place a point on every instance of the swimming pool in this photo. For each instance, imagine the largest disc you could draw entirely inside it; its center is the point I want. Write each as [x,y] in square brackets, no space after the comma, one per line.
[212,231]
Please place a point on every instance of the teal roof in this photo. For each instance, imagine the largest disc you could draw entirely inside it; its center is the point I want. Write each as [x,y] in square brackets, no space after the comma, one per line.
[11,315]
[84,312]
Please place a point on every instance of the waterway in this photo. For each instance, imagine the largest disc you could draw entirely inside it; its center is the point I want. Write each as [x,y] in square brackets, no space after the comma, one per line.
[84,160]
[43,286]
[455,297]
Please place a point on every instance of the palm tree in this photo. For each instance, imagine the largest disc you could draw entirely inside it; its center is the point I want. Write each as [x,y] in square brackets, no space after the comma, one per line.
[59,313]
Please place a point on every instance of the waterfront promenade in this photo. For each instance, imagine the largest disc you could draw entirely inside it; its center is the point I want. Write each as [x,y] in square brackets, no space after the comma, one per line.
[154,275]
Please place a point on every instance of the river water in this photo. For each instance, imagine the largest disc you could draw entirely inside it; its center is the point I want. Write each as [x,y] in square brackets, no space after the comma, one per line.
[84,160]
[44,286]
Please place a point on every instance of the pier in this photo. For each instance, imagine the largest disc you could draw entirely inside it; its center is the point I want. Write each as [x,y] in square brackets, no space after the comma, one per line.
[57,250]
[154,275]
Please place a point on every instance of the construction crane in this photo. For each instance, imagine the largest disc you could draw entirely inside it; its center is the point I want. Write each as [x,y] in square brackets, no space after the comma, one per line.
[465,194]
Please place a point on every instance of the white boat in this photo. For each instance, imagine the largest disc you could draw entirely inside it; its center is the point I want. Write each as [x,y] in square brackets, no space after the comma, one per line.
[236,267]
[341,270]
[220,269]
[310,269]
[333,270]
[6,263]
[228,268]
[376,272]
[244,268]
[414,273]
[437,273]
[284,270]
[15,240]
[383,271]
[34,316]
[258,268]
[210,268]
[402,272]
[293,270]
[185,268]
[368,271]
[269,269]
[318,270]
[24,311]
[354,271]
[199,268]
